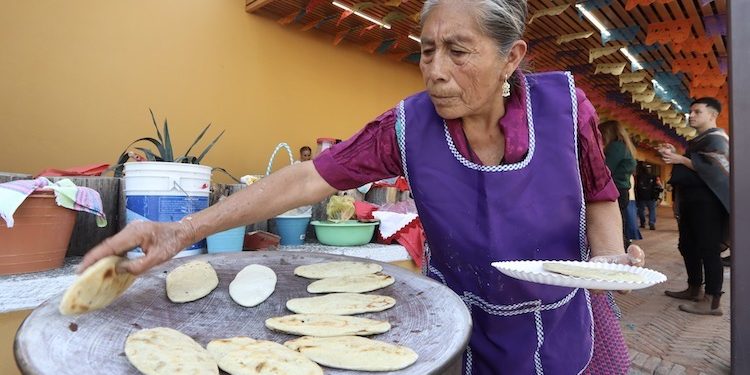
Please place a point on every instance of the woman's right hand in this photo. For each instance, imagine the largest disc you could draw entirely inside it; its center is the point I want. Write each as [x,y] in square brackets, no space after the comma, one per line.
[159,241]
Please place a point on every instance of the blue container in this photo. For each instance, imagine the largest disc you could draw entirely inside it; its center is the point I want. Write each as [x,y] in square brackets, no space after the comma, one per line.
[292,229]
[229,240]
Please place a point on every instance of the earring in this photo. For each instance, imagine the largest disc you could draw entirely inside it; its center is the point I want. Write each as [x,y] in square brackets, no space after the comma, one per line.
[506,88]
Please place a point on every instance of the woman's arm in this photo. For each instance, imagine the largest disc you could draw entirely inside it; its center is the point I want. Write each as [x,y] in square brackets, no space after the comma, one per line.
[291,187]
[604,231]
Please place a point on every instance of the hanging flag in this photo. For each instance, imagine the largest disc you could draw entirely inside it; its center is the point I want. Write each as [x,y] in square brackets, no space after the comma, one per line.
[715,25]
[694,66]
[371,46]
[398,56]
[414,57]
[623,34]
[701,91]
[712,78]
[668,114]
[393,3]
[641,48]
[311,24]
[667,79]
[596,53]
[416,17]
[291,17]
[591,5]
[571,37]
[340,36]
[702,45]
[354,8]
[644,97]
[314,4]
[554,11]
[394,16]
[669,31]
[385,46]
[366,29]
[632,77]
[632,3]
[656,105]
[647,65]
[611,68]
[634,87]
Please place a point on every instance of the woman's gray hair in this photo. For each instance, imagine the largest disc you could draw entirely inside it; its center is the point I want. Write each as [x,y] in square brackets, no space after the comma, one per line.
[502,20]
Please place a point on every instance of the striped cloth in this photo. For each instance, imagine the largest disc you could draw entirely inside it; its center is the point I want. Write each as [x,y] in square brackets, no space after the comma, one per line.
[67,194]
[610,350]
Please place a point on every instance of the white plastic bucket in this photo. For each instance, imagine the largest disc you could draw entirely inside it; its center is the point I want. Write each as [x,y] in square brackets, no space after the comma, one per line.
[164,192]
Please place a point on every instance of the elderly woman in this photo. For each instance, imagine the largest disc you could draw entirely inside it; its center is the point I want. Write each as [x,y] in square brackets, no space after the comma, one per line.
[502,166]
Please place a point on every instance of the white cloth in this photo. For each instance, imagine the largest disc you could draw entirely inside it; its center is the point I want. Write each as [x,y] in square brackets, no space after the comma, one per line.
[392,222]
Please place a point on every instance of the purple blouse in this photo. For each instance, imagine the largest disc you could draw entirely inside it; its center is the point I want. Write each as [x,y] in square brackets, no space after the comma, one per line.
[373,154]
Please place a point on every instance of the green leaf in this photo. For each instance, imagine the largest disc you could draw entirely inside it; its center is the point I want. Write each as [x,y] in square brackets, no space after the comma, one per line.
[209,147]
[200,136]
[227,173]
[148,139]
[186,160]
[149,155]
[153,118]
[168,154]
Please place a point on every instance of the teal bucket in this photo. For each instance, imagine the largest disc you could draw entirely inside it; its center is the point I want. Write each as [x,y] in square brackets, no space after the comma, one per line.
[292,229]
[227,241]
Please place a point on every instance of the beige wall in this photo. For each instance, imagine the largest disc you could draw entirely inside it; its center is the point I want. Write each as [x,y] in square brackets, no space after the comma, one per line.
[77,79]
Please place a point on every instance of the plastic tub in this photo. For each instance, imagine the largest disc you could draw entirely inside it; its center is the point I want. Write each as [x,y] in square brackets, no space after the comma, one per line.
[292,229]
[230,240]
[348,233]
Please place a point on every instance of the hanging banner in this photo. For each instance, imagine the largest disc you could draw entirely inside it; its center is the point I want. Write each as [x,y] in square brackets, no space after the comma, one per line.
[596,53]
[314,4]
[647,65]
[414,57]
[340,36]
[554,11]
[291,17]
[354,8]
[715,25]
[656,105]
[632,77]
[416,17]
[644,97]
[611,68]
[592,5]
[371,46]
[641,48]
[385,46]
[623,34]
[702,45]
[394,16]
[393,3]
[667,79]
[635,87]
[701,91]
[575,36]
[633,3]
[366,29]
[694,66]
[711,78]
[669,31]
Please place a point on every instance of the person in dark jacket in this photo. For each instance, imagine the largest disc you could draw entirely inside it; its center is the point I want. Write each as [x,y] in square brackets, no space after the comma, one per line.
[647,192]
[619,156]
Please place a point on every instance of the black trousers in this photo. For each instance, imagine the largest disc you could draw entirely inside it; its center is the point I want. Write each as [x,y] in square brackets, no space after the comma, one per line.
[623,200]
[703,225]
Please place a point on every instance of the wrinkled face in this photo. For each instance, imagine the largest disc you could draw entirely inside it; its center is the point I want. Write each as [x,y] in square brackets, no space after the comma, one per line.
[462,68]
[304,155]
[701,116]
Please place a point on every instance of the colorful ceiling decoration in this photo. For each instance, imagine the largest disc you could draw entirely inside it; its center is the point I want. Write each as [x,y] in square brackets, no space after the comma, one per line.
[639,61]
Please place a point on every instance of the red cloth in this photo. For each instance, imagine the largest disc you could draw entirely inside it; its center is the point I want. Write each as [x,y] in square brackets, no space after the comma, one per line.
[373,154]
[412,238]
[86,170]
[363,210]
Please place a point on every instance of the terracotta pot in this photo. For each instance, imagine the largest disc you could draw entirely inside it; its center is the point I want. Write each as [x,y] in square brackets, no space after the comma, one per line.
[39,238]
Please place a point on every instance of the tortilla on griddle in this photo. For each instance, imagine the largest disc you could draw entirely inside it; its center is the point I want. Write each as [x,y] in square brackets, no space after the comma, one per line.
[246,356]
[340,304]
[592,273]
[253,285]
[166,351]
[191,281]
[336,269]
[96,288]
[326,325]
[351,284]
[354,353]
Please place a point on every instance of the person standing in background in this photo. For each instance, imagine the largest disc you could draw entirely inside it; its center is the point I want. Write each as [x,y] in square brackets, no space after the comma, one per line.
[647,191]
[305,153]
[619,156]
[701,189]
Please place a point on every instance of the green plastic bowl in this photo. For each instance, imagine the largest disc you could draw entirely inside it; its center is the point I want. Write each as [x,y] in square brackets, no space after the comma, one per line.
[348,233]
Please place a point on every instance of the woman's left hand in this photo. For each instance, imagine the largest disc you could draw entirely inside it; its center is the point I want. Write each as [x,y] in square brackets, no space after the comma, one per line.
[634,257]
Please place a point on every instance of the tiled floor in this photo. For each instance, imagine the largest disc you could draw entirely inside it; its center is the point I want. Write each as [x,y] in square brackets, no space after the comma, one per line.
[663,339]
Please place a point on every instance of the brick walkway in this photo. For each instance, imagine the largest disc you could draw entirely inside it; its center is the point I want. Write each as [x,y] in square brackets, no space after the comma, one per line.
[663,339]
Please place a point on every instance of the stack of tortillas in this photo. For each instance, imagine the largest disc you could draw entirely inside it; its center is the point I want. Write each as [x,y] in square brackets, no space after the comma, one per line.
[96,288]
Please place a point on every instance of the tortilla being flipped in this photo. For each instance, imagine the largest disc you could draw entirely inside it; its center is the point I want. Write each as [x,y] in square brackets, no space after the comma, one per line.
[245,356]
[354,353]
[191,281]
[166,351]
[96,288]
[351,284]
[593,273]
[340,304]
[326,325]
[336,269]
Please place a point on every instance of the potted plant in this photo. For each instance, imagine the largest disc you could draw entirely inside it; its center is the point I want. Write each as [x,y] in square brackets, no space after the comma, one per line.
[163,185]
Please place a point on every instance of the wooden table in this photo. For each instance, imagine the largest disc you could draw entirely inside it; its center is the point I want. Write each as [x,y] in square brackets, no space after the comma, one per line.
[428,317]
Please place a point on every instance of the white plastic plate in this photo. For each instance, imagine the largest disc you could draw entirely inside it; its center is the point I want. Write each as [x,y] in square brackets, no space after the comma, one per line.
[531,270]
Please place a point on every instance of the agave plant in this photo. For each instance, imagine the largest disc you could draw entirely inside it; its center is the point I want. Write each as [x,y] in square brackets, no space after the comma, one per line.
[164,151]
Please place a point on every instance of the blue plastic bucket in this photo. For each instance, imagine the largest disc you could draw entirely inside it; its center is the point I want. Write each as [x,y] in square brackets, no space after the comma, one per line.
[160,191]
[292,229]
[229,240]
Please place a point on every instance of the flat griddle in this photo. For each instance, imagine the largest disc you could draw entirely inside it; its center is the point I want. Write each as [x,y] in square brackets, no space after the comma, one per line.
[428,317]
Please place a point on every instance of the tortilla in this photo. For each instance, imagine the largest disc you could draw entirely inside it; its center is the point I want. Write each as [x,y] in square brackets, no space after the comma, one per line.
[253,285]
[191,281]
[167,351]
[351,284]
[96,288]
[593,273]
[245,356]
[326,325]
[354,353]
[336,269]
[340,304]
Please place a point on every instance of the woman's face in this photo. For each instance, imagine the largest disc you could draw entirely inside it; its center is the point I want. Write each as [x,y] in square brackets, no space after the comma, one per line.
[462,68]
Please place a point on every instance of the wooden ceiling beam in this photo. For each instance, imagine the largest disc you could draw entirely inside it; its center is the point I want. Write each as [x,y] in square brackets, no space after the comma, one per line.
[253,5]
